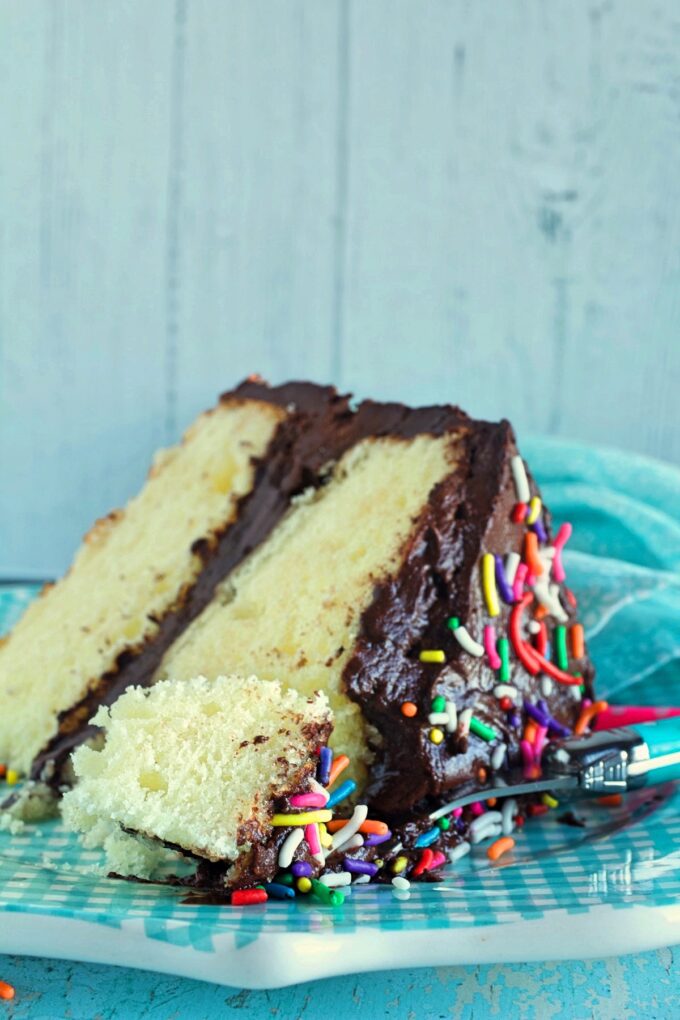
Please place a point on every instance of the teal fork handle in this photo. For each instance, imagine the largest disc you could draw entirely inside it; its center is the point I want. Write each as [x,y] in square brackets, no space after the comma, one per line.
[663,740]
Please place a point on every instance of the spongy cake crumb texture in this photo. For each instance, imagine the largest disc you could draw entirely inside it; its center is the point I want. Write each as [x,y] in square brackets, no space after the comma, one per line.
[190,763]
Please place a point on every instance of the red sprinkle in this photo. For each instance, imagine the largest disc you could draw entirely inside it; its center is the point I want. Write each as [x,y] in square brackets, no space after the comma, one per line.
[244,897]
[536,809]
[506,704]
[425,862]
[571,598]
[519,512]
[519,821]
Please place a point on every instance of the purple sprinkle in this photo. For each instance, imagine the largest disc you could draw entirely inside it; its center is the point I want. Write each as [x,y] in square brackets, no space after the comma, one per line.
[375,838]
[301,869]
[557,727]
[537,526]
[360,867]
[515,720]
[503,586]
[323,772]
[537,714]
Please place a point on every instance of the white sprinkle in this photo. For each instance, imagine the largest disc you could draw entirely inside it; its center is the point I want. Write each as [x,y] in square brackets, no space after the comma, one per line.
[520,478]
[333,879]
[459,851]
[490,832]
[508,812]
[464,721]
[562,755]
[362,880]
[438,717]
[452,713]
[533,626]
[289,846]
[344,835]
[318,788]
[400,883]
[467,642]
[498,756]
[512,561]
[505,691]
[546,686]
[575,692]
[399,847]
[489,820]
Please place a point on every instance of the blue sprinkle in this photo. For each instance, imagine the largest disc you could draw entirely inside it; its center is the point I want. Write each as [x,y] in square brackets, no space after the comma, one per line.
[323,771]
[503,586]
[343,791]
[429,837]
[538,527]
[279,892]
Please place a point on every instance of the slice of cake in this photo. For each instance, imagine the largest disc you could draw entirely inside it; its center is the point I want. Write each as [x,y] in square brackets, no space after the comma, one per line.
[398,559]
[144,572]
[200,767]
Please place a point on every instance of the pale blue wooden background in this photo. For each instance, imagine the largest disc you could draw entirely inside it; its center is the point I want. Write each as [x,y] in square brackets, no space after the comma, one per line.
[437,201]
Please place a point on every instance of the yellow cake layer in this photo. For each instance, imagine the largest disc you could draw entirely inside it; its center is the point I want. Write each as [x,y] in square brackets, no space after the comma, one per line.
[129,570]
[292,610]
[180,763]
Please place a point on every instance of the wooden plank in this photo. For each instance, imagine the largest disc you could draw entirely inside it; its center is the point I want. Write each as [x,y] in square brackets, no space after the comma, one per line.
[257,177]
[84,123]
[512,224]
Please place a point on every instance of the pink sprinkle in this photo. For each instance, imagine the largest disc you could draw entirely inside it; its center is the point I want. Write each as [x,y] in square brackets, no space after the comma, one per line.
[561,539]
[438,859]
[490,646]
[527,753]
[457,812]
[308,800]
[312,837]
[518,583]
[531,580]
[539,741]
[477,808]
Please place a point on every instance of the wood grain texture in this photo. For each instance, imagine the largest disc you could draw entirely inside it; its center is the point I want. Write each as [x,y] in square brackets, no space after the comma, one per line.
[441,201]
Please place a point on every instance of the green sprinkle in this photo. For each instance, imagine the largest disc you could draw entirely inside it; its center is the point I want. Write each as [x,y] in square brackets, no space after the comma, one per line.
[561,647]
[454,623]
[336,898]
[285,879]
[482,730]
[321,891]
[444,824]
[438,704]
[503,646]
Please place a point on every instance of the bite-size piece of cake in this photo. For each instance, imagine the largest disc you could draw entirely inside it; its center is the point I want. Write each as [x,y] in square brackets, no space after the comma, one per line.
[199,767]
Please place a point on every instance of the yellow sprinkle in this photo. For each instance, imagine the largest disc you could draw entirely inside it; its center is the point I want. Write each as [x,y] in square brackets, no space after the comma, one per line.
[12,777]
[324,837]
[303,884]
[549,801]
[534,510]
[432,655]
[399,864]
[489,584]
[303,818]
[378,862]
[436,735]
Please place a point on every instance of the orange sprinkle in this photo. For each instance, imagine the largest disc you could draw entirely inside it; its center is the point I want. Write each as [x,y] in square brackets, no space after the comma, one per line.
[500,847]
[530,731]
[409,709]
[370,826]
[492,802]
[531,553]
[339,765]
[577,643]
[612,800]
[6,991]
[587,714]
[539,612]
